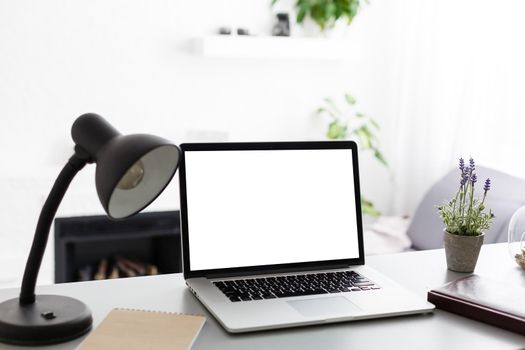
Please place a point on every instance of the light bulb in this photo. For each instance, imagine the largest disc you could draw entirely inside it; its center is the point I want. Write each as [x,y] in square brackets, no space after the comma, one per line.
[132,177]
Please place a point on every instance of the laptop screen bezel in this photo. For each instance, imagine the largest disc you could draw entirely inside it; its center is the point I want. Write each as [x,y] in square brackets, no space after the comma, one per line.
[266,269]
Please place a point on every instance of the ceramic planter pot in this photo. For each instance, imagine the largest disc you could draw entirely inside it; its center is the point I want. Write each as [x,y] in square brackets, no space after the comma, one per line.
[462,251]
[310,29]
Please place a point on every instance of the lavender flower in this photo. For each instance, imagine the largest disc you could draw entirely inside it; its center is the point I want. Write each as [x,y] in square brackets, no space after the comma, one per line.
[461,164]
[472,166]
[464,214]
[486,188]
[464,179]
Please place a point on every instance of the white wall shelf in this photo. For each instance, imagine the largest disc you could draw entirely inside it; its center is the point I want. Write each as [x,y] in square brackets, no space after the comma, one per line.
[268,47]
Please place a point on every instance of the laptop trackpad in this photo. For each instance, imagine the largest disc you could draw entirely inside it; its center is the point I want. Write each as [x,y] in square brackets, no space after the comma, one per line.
[324,306]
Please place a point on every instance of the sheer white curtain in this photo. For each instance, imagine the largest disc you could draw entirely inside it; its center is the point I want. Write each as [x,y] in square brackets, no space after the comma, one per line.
[458,82]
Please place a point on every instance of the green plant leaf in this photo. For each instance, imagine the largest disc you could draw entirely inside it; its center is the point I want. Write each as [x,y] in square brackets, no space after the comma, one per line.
[374,123]
[325,110]
[379,156]
[364,137]
[331,104]
[301,14]
[325,13]
[368,208]
[352,8]
[318,15]
[336,131]
[350,99]
[331,10]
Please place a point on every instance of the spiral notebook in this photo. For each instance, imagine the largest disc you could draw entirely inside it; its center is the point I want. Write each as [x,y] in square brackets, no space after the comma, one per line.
[139,329]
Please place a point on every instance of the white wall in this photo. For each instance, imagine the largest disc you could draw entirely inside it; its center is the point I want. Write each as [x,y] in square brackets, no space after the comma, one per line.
[130,62]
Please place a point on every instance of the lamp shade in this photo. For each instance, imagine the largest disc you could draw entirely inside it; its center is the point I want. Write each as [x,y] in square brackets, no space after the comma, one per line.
[132,170]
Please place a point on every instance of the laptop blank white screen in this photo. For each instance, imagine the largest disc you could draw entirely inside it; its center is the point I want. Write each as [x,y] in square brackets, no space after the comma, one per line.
[265,207]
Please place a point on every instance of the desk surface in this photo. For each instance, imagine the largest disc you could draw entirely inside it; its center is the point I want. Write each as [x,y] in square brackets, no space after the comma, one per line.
[418,271]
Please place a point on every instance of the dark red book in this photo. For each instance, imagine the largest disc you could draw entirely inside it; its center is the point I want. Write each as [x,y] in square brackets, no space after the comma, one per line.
[483,299]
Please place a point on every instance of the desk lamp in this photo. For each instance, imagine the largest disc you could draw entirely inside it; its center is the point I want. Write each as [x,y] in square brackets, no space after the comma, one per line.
[131,172]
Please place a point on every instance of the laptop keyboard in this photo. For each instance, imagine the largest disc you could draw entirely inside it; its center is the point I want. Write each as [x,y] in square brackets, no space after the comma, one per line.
[294,285]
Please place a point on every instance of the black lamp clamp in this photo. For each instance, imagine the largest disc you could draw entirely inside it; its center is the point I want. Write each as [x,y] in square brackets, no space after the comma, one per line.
[131,172]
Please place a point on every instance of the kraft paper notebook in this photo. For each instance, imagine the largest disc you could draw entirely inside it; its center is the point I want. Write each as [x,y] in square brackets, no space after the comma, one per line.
[138,329]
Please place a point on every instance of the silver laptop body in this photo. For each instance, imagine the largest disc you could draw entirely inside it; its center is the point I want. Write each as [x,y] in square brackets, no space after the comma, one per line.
[272,236]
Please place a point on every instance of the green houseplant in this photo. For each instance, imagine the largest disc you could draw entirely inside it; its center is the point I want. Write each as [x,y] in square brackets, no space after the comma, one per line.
[325,13]
[350,124]
[466,219]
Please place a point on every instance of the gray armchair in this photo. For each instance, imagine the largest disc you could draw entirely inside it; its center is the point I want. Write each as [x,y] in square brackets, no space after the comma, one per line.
[506,196]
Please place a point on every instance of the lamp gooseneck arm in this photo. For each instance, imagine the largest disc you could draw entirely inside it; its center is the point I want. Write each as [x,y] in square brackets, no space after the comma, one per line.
[73,166]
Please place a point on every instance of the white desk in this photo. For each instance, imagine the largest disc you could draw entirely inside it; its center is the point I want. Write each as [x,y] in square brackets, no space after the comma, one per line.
[419,271]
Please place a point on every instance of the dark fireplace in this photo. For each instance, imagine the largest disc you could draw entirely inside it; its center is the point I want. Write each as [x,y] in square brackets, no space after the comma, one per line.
[96,247]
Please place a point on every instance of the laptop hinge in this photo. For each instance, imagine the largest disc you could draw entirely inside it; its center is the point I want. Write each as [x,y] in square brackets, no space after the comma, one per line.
[272,271]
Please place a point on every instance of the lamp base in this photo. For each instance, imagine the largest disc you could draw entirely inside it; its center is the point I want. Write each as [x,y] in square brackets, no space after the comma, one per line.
[50,319]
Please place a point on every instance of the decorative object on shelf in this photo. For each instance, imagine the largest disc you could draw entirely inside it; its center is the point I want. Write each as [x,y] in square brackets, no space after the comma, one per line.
[243,31]
[131,172]
[466,219]
[238,31]
[282,27]
[326,14]
[225,31]
[350,124]
[516,236]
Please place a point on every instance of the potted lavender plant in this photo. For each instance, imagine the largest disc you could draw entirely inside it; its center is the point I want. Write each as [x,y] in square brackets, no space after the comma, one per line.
[466,220]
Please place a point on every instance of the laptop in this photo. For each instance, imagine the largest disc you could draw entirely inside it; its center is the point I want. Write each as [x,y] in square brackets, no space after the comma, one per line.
[272,236]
